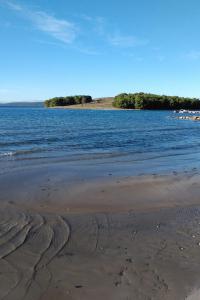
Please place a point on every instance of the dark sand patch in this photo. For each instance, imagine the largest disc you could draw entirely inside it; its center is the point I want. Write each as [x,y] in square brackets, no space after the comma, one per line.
[48,190]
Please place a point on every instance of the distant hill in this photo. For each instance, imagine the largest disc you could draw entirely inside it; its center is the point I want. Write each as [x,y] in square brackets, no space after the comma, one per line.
[22,104]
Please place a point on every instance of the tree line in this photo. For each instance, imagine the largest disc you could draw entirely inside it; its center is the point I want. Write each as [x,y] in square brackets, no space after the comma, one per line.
[68,100]
[133,101]
[152,101]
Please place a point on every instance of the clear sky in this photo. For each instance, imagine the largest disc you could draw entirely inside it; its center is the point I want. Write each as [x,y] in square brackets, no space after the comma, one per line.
[64,47]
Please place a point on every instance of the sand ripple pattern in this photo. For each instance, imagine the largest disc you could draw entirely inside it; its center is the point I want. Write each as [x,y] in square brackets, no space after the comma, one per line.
[28,243]
[128,256]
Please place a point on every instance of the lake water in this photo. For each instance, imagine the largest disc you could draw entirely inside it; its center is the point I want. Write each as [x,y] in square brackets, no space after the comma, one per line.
[148,137]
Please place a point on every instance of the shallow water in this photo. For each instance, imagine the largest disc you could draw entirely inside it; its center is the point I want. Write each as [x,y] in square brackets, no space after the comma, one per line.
[133,136]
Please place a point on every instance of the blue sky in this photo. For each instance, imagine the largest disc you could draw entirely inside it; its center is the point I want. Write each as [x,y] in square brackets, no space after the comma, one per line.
[62,47]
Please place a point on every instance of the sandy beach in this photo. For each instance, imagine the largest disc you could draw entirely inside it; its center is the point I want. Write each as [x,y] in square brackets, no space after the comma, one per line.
[99,150]
[84,237]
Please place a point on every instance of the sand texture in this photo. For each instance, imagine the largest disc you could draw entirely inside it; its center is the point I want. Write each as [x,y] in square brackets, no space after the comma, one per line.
[53,246]
[99,256]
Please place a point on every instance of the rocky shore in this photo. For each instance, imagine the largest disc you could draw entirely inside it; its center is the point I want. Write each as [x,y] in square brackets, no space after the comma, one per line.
[193,118]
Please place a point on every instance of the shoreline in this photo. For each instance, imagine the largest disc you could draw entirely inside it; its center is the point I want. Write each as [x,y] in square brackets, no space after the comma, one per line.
[90,108]
[104,165]
[37,188]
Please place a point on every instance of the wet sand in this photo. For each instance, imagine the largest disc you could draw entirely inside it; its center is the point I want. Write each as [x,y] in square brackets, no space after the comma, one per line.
[83,237]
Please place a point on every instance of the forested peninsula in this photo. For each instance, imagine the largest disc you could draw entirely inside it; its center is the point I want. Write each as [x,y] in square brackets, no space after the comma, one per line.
[127,101]
[68,100]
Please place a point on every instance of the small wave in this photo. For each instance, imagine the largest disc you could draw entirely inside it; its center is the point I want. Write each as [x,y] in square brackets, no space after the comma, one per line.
[6,154]
[39,141]
[20,152]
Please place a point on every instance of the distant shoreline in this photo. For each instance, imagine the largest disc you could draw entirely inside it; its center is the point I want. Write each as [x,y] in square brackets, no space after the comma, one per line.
[86,107]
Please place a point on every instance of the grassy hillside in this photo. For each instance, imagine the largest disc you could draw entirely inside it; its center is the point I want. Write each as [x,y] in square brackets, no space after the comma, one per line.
[100,103]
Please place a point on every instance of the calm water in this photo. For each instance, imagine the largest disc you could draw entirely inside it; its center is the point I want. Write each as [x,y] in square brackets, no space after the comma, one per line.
[35,133]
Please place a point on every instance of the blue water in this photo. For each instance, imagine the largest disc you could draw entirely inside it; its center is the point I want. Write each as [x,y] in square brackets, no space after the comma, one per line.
[36,133]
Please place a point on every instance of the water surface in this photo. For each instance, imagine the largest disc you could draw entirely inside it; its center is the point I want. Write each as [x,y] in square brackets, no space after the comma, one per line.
[33,134]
